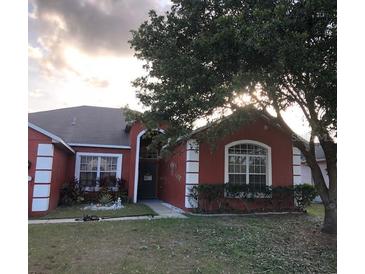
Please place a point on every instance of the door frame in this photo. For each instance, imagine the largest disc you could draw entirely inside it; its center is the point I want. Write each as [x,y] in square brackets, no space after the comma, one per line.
[136,167]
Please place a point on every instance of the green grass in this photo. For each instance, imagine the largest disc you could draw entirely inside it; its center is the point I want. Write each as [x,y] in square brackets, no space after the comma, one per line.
[78,211]
[316,210]
[271,244]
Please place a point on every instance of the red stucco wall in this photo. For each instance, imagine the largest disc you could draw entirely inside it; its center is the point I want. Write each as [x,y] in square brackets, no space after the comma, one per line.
[172,177]
[60,160]
[61,157]
[211,163]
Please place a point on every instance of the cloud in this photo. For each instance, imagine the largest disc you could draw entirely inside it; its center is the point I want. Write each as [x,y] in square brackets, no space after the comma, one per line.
[94,26]
[78,49]
[96,82]
[34,53]
[37,93]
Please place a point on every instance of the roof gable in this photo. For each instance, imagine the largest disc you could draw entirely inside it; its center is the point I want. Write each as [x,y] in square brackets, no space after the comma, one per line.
[84,125]
[50,135]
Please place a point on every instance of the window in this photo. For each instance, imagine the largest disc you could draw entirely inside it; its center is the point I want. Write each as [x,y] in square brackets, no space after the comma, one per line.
[93,168]
[248,162]
[88,170]
[108,167]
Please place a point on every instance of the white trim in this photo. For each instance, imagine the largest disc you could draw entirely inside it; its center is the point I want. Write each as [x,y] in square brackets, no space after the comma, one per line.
[190,203]
[296,160]
[97,154]
[191,171]
[318,160]
[119,162]
[192,144]
[42,176]
[44,163]
[41,190]
[192,178]
[296,166]
[136,166]
[296,151]
[297,170]
[98,145]
[192,155]
[45,150]
[269,166]
[40,204]
[192,167]
[50,135]
[297,180]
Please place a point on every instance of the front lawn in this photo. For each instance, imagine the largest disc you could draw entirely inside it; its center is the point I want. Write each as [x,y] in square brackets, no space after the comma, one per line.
[271,244]
[78,211]
[316,210]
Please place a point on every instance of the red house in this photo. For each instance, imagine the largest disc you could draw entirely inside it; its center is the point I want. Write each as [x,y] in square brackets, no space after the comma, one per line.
[90,143]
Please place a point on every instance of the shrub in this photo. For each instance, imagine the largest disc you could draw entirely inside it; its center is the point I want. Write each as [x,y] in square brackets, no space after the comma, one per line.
[105,198]
[247,191]
[209,195]
[122,191]
[304,194]
[115,187]
[71,193]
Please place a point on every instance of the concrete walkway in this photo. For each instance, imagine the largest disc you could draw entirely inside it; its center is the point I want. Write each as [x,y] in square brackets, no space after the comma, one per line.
[73,220]
[164,209]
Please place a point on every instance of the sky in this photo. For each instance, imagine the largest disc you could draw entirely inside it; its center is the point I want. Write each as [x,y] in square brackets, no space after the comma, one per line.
[78,54]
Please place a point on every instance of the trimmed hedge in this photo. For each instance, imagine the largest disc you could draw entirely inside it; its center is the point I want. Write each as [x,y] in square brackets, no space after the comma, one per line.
[209,195]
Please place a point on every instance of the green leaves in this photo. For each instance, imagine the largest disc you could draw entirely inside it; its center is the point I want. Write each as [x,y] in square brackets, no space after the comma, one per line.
[201,54]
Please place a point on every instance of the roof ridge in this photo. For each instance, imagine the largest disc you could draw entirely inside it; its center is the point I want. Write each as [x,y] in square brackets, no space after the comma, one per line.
[82,106]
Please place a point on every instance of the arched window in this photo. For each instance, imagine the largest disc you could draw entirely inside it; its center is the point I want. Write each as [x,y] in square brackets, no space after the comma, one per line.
[248,162]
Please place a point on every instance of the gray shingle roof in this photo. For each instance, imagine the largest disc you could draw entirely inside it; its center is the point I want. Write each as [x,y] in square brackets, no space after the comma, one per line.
[84,125]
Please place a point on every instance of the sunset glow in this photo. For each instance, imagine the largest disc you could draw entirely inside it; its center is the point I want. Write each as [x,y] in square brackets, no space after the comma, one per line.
[79,54]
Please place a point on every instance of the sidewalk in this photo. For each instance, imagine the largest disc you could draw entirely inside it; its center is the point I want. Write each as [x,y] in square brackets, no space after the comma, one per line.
[163,209]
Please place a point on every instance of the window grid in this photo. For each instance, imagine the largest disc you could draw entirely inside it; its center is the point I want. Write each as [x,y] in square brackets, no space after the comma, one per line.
[94,168]
[247,163]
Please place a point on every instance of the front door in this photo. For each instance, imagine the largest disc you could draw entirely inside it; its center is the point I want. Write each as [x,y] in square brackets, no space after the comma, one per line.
[147,179]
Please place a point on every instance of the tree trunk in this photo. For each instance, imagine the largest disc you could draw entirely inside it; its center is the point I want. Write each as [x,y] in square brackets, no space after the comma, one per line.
[327,194]
[328,198]
[330,218]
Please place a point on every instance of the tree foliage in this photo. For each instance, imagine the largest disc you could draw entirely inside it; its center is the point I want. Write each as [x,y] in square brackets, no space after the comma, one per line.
[205,57]
[203,54]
